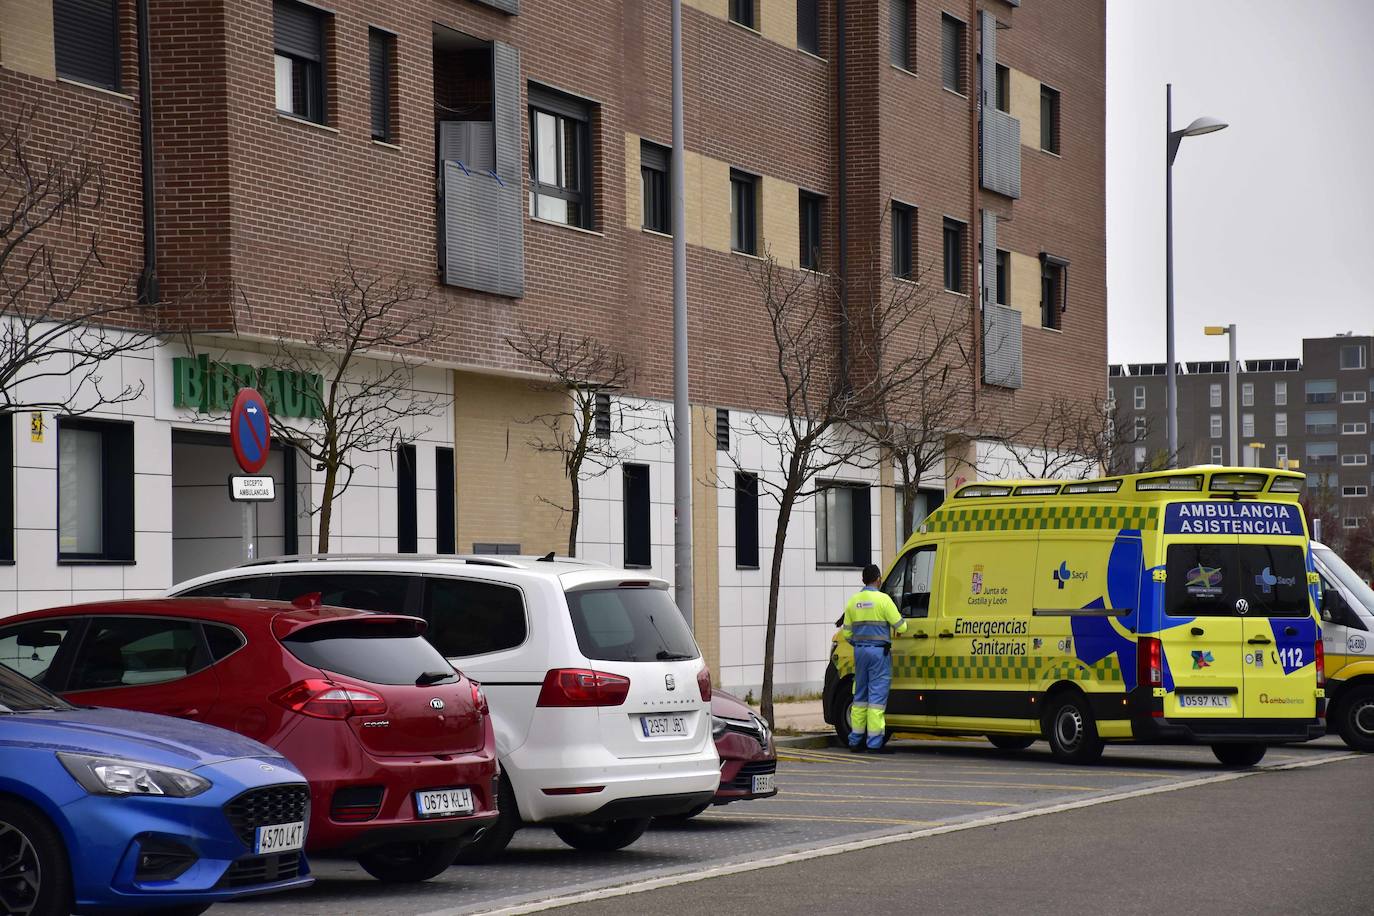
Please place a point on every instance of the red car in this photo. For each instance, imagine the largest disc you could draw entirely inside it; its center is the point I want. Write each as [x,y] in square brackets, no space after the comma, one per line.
[748,759]
[397,745]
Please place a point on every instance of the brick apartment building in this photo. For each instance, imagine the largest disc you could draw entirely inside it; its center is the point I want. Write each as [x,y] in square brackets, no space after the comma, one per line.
[515,156]
[1314,414]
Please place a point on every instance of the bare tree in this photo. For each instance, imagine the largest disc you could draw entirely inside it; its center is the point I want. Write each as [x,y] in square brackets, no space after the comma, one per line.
[56,320]
[361,336]
[1078,438]
[590,374]
[895,337]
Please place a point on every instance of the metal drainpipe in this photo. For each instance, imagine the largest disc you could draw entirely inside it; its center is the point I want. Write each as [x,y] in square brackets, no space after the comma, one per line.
[976,236]
[842,106]
[147,281]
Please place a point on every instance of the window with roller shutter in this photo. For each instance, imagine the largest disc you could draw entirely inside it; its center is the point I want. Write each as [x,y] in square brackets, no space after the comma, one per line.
[86,41]
[381,64]
[298,46]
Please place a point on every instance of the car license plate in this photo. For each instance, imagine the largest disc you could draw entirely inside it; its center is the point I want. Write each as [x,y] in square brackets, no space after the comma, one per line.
[663,726]
[443,802]
[279,838]
[1205,700]
[765,782]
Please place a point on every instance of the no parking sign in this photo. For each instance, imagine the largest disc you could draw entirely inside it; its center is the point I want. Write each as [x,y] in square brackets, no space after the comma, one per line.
[250,431]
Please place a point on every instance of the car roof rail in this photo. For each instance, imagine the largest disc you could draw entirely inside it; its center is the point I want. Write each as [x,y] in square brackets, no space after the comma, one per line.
[317,557]
[471,559]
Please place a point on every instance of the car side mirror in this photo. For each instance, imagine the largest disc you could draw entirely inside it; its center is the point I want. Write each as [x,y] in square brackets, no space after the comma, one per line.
[1334,607]
[915,605]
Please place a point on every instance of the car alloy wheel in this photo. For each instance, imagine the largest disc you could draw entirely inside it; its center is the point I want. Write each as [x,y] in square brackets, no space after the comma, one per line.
[34,877]
[21,873]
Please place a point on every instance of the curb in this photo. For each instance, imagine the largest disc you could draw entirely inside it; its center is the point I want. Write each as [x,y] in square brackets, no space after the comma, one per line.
[804,741]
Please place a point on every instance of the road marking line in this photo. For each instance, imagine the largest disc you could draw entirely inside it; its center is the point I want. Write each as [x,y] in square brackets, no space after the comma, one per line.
[941,784]
[830,818]
[721,871]
[818,798]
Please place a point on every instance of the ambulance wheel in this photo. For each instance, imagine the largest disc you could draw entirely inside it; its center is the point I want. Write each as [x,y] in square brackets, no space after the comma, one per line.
[1011,742]
[1355,718]
[1072,731]
[1239,755]
[839,709]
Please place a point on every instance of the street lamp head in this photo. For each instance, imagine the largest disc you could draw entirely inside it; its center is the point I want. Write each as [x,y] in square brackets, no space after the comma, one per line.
[1204,125]
[1215,330]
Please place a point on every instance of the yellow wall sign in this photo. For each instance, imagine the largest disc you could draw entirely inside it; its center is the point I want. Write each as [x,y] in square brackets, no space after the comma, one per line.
[36,426]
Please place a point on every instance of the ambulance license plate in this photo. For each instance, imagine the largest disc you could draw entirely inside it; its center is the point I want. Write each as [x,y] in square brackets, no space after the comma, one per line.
[1205,700]
[663,726]
[443,802]
[279,838]
[765,782]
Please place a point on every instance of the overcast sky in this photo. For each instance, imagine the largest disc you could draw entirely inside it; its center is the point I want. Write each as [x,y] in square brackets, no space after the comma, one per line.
[1271,216]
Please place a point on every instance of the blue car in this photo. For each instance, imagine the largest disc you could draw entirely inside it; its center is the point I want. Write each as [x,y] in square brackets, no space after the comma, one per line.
[108,811]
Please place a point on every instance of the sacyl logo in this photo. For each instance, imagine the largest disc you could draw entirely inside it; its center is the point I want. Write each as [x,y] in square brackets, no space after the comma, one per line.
[1063,575]
[1267,580]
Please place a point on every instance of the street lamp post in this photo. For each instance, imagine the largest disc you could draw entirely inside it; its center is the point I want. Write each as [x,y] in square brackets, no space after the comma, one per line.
[1232,370]
[1203,125]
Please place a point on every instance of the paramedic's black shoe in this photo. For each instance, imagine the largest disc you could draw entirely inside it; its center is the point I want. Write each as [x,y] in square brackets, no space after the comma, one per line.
[856,748]
[882,750]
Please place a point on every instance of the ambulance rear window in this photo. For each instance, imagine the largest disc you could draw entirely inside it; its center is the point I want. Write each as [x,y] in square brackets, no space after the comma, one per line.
[1212,580]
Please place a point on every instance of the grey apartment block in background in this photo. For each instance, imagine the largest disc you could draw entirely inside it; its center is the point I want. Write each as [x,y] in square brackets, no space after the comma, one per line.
[1317,411]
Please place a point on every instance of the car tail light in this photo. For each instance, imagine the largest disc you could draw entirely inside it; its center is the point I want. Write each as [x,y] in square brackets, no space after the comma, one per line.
[479,699]
[1150,655]
[1321,663]
[322,700]
[583,687]
[704,683]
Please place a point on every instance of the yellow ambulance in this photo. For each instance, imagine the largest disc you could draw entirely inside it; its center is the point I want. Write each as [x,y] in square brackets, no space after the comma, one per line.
[1175,607]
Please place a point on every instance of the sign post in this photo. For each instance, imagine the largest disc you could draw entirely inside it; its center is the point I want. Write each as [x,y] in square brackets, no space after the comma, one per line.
[250,434]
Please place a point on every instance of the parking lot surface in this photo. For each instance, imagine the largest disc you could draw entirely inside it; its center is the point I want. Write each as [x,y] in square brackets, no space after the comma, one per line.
[826,797]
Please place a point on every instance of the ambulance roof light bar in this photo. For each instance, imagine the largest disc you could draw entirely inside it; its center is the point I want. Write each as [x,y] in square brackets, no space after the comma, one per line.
[1094,486]
[1232,482]
[1173,482]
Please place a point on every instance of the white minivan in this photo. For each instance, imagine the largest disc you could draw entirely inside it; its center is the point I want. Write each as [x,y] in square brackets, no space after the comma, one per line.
[1348,641]
[598,692]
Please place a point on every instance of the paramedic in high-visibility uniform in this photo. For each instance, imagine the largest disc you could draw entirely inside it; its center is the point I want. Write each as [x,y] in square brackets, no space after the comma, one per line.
[870,620]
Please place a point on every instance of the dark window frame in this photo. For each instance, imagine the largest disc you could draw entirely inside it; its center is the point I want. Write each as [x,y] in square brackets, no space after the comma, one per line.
[382,84]
[116,492]
[861,547]
[744,212]
[809,26]
[722,430]
[76,14]
[1051,99]
[1054,291]
[960,54]
[656,202]
[745,13]
[1002,97]
[1002,264]
[445,505]
[746,520]
[308,69]
[568,112]
[7,488]
[407,499]
[810,217]
[954,255]
[900,43]
[904,227]
[637,503]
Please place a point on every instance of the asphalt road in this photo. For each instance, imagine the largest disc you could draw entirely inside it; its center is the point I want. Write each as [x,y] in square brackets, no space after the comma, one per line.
[1295,841]
[830,797]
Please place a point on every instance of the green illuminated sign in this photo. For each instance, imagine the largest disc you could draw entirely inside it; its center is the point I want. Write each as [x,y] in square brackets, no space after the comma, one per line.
[210,387]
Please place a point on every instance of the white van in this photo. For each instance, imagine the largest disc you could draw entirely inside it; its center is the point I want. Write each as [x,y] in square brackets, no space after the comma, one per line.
[599,696]
[1348,638]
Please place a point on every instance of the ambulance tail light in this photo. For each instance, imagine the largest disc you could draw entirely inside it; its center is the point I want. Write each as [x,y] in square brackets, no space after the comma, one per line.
[1150,655]
[1321,663]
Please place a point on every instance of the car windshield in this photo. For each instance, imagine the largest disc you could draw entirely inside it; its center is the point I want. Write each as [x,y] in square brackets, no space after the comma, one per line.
[378,653]
[630,625]
[19,694]
[1337,568]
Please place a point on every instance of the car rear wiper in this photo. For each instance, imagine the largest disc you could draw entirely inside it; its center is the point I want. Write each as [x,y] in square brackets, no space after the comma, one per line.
[665,656]
[433,677]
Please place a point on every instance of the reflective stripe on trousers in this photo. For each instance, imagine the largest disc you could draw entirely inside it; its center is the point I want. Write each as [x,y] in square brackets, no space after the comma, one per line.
[872,680]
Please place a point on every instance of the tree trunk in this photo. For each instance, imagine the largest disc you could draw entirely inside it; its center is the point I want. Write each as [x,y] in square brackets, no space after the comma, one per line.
[575,517]
[331,476]
[789,497]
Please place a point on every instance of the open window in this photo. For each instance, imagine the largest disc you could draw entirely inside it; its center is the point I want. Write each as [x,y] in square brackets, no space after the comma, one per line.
[911,582]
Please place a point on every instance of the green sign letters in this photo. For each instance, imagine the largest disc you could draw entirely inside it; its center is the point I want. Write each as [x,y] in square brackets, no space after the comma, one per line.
[210,387]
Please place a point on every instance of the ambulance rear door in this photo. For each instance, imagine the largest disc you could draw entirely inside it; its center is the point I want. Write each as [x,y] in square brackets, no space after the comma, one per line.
[1201,634]
[1279,628]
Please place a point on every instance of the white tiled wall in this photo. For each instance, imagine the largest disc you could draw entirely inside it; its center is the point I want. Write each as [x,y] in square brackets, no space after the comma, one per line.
[365,516]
